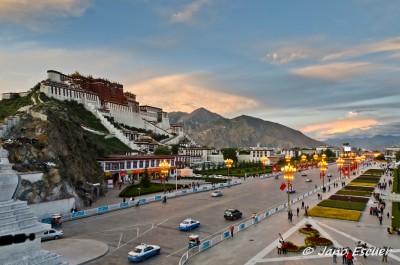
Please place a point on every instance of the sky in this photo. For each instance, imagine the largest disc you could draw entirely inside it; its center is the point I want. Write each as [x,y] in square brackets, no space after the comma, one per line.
[329,69]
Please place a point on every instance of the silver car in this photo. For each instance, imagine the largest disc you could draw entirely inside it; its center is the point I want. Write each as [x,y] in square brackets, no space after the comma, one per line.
[52,234]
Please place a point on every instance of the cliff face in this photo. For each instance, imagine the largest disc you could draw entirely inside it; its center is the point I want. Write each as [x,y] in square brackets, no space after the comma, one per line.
[58,147]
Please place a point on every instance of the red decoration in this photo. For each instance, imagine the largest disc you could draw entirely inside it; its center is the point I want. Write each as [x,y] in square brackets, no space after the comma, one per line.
[283,186]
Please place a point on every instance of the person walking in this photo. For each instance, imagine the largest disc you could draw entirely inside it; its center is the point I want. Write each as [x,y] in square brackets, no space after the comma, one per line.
[344,254]
[284,246]
[298,210]
[302,205]
[349,257]
[385,254]
[231,228]
[279,247]
[334,256]
[280,238]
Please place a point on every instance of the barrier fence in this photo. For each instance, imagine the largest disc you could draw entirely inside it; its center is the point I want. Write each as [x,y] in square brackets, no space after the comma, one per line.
[247,223]
[123,205]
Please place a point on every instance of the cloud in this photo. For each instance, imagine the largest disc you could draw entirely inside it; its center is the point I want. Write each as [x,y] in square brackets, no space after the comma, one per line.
[323,130]
[285,56]
[334,71]
[389,45]
[182,92]
[32,13]
[188,12]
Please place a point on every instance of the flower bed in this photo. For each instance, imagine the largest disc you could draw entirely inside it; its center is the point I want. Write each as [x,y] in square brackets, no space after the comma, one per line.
[374,172]
[366,180]
[308,230]
[335,213]
[357,206]
[348,198]
[370,189]
[317,241]
[362,184]
[290,247]
[354,193]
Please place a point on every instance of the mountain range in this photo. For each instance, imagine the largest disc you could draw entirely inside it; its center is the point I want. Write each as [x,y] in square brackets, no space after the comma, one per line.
[213,130]
[377,142]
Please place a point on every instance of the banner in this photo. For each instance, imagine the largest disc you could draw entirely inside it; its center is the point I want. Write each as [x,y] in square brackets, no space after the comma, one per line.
[283,186]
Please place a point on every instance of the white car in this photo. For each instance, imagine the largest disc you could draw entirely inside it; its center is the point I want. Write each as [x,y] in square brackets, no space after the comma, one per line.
[143,251]
[304,174]
[216,193]
[52,234]
[308,180]
[188,224]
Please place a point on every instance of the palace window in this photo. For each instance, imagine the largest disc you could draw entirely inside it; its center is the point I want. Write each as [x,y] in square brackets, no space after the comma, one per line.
[108,166]
[140,164]
[128,165]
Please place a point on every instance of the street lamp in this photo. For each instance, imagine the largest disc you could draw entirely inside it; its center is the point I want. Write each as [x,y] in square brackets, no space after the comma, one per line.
[264,161]
[228,163]
[164,166]
[340,163]
[288,171]
[304,160]
[363,159]
[358,159]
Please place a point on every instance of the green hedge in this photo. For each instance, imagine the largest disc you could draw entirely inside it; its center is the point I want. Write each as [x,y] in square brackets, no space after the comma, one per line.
[132,190]
[354,193]
[365,180]
[396,214]
[212,180]
[357,206]
[371,189]
[396,182]
[373,172]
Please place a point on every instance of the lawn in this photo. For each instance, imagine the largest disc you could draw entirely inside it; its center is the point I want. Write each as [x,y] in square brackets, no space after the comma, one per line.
[357,206]
[132,190]
[370,189]
[335,213]
[366,180]
[396,182]
[9,107]
[354,193]
[396,214]
[373,172]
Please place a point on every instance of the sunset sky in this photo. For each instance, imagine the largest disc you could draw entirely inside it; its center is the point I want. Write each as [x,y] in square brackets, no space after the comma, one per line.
[327,68]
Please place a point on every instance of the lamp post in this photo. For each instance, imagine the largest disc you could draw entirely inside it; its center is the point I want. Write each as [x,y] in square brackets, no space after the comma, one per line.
[304,160]
[164,166]
[264,161]
[340,162]
[228,163]
[288,171]
[363,160]
[357,159]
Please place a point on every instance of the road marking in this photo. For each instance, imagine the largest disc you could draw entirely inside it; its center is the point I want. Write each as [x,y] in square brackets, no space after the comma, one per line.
[119,241]
[140,235]
[294,258]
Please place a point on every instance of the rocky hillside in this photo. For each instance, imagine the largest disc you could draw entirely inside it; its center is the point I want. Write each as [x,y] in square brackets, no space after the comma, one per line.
[242,131]
[61,149]
[194,120]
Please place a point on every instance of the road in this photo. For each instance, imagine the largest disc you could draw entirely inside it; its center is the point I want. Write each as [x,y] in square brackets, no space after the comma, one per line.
[157,223]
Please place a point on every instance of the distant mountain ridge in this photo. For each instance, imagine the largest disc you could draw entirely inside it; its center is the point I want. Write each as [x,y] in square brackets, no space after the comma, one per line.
[213,130]
[377,142]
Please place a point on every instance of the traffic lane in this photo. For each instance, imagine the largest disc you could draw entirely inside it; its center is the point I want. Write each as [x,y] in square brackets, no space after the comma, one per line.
[201,206]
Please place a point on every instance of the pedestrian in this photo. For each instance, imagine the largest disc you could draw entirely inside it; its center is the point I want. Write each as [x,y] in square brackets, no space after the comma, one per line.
[334,256]
[349,257]
[254,215]
[231,228]
[364,246]
[302,204]
[284,246]
[329,188]
[318,195]
[305,213]
[388,215]
[298,210]
[279,247]
[380,220]
[385,254]
[344,254]
[124,199]
[370,210]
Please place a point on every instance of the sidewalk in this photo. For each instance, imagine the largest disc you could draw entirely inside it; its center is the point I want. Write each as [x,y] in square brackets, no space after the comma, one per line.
[257,244]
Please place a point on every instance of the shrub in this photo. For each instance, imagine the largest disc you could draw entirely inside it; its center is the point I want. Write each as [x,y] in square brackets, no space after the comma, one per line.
[317,241]
[290,247]
[362,184]
[335,213]
[308,230]
[396,214]
[357,206]
[371,189]
[132,190]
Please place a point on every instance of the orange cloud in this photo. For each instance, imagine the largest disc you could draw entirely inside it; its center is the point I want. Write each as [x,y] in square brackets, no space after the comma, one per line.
[182,92]
[325,129]
[334,71]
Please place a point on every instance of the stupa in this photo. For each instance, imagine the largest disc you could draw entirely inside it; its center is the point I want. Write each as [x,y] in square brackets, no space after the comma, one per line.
[20,231]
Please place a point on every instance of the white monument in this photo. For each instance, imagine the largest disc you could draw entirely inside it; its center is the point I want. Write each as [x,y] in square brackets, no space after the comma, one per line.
[20,230]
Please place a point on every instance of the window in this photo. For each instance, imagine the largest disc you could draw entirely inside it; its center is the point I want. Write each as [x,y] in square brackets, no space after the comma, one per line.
[134,164]
[140,164]
[108,166]
[121,165]
[128,165]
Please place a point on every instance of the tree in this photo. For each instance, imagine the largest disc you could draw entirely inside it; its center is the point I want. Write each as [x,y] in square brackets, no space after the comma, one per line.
[229,153]
[397,156]
[175,149]
[380,157]
[329,153]
[162,150]
[145,179]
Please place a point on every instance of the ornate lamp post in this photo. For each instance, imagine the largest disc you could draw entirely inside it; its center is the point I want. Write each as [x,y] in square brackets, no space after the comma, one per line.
[340,163]
[228,163]
[164,166]
[363,159]
[358,159]
[264,161]
[304,160]
[288,171]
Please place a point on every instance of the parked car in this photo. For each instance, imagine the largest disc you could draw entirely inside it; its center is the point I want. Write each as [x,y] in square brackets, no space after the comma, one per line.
[304,174]
[216,193]
[308,180]
[232,214]
[188,224]
[329,175]
[52,234]
[143,252]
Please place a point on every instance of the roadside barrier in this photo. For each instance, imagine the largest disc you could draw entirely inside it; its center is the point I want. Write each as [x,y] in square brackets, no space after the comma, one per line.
[108,208]
[247,223]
